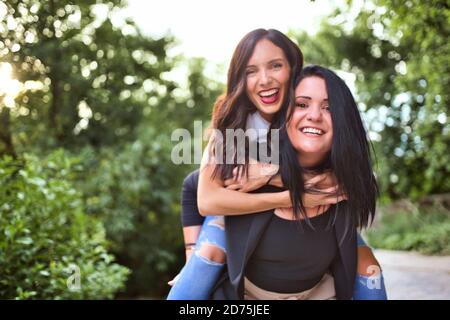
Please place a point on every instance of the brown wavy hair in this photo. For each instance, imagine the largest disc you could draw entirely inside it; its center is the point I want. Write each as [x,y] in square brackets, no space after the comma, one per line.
[232,108]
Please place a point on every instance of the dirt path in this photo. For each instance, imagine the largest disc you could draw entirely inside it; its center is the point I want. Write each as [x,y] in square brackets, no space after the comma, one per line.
[409,275]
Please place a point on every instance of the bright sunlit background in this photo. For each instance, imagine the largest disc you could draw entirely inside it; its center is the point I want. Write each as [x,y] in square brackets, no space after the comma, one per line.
[212,29]
[202,28]
[206,29]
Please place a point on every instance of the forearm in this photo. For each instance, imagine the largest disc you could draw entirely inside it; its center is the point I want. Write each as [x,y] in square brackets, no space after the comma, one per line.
[214,199]
[190,235]
[221,201]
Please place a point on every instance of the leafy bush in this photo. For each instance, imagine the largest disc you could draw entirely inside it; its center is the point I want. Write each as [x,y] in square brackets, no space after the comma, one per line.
[427,232]
[46,238]
[135,190]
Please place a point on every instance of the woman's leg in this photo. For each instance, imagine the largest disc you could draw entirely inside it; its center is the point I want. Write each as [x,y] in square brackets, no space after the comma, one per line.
[202,270]
[369,282]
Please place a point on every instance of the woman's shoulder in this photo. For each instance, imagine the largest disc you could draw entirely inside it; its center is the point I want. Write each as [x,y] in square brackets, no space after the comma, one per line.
[191,180]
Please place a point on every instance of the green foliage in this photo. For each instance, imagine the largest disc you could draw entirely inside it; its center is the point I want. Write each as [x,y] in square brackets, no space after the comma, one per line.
[427,232]
[135,191]
[97,81]
[400,55]
[104,93]
[46,234]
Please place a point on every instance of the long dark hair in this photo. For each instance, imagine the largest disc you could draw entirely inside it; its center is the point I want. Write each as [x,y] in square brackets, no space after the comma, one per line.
[349,158]
[232,109]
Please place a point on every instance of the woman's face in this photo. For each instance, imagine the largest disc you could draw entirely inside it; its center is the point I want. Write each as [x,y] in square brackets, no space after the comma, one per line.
[267,78]
[310,129]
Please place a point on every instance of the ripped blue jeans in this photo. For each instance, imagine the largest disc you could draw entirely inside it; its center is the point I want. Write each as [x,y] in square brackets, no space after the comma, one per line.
[199,274]
[369,287]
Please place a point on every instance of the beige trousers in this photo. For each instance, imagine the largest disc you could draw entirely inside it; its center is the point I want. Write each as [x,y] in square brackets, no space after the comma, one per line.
[324,290]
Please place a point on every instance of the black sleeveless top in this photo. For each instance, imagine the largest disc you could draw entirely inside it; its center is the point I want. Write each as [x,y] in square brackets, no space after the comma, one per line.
[190,215]
[291,256]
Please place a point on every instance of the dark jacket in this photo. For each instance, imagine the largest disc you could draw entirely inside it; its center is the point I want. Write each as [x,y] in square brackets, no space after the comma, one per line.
[242,236]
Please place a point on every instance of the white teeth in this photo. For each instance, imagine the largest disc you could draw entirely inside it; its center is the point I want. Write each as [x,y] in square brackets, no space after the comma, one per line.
[268,92]
[312,130]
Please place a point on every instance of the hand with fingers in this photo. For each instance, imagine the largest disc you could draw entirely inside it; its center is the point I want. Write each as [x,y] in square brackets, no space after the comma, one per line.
[322,189]
[258,175]
[173,281]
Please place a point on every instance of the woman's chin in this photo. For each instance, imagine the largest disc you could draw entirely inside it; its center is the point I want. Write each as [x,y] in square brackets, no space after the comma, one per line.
[268,111]
[310,157]
[310,150]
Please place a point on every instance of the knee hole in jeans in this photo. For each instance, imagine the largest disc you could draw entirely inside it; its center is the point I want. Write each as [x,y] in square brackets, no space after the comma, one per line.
[367,263]
[212,253]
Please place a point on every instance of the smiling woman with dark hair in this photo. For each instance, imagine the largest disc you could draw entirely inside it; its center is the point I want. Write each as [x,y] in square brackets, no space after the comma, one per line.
[345,151]
[323,131]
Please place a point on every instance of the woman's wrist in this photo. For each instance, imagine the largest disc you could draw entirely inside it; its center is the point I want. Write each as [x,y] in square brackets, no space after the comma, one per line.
[275,181]
[188,254]
[279,199]
[189,248]
[189,245]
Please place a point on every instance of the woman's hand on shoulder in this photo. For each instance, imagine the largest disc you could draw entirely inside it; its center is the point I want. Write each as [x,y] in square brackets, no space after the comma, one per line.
[322,189]
[259,175]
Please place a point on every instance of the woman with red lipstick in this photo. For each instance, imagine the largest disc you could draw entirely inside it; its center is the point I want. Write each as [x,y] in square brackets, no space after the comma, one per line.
[259,82]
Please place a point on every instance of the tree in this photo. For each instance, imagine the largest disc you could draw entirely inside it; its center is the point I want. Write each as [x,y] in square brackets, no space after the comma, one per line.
[103,93]
[400,54]
[135,189]
[91,79]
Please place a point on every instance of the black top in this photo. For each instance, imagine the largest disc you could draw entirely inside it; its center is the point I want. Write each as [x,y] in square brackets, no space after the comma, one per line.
[190,216]
[243,234]
[292,256]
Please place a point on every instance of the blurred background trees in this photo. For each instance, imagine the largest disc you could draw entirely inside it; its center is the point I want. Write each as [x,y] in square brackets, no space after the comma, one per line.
[400,56]
[101,95]
[85,130]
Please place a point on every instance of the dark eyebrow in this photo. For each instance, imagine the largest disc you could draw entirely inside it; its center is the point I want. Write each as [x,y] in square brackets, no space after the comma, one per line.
[271,61]
[308,98]
[276,60]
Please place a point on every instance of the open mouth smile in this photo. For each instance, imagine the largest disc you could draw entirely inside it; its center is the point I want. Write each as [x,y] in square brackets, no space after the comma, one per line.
[310,131]
[270,96]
